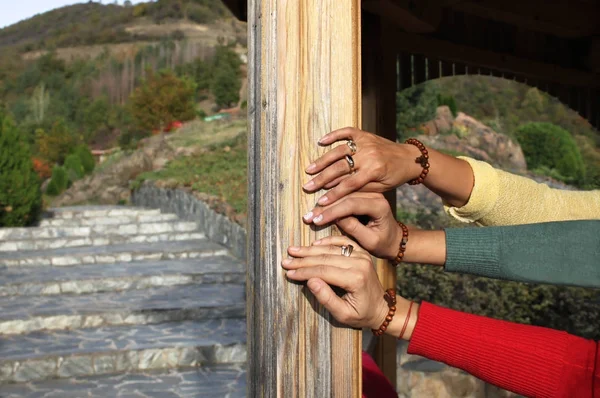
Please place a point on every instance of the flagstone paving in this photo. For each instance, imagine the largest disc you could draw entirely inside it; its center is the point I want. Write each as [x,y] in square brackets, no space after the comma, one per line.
[119,302]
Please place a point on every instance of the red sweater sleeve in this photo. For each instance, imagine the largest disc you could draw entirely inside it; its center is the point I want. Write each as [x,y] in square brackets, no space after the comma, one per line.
[528,360]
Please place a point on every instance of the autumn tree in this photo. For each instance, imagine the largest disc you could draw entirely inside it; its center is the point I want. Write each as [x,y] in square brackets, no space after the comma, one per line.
[54,145]
[162,99]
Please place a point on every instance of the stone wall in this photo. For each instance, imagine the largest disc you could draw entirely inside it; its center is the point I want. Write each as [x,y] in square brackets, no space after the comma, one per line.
[217,227]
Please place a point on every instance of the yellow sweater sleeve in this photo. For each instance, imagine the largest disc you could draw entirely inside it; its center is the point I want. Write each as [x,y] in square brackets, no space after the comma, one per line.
[501,198]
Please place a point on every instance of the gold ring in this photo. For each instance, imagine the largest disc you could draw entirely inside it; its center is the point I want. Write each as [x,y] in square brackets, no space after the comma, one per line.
[347,250]
[350,162]
[352,145]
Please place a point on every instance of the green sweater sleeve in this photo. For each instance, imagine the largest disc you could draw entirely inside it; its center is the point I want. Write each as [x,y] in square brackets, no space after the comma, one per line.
[559,253]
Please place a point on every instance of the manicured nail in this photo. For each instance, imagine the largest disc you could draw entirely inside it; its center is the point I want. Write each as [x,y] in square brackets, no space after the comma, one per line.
[309,185]
[294,249]
[317,242]
[287,261]
[318,219]
[308,216]
[291,272]
[311,167]
[323,200]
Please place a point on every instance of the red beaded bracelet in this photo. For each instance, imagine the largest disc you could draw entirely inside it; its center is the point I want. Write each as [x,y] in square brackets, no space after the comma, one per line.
[390,298]
[402,246]
[423,160]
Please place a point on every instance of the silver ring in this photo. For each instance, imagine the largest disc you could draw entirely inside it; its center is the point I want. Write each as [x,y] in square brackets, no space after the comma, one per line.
[347,250]
[352,145]
[350,162]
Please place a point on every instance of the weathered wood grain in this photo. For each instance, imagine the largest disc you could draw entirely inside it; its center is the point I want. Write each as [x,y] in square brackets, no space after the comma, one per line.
[304,81]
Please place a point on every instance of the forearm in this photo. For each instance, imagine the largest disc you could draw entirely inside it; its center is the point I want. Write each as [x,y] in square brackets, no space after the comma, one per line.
[528,360]
[449,177]
[502,198]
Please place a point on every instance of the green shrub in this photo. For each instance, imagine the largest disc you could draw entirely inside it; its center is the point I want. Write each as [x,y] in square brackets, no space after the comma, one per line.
[20,194]
[52,189]
[74,167]
[86,158]
[550,146]
[60,181]
[449,101]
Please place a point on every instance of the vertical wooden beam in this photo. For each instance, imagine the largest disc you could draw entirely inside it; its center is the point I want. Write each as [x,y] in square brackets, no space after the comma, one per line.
[419,68]
[433,68]
[447,69]
[304,81]
[379,116]
[405,62]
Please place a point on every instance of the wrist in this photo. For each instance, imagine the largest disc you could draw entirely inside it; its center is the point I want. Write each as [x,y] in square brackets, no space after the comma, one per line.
[413,169]
[426,247]
[403,319]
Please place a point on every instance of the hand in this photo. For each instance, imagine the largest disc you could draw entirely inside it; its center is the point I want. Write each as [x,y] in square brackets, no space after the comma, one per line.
[363,304]
[380,165]
[380,236]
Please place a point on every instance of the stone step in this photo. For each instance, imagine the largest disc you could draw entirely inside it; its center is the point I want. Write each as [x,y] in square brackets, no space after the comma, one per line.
[26,314]
[99,211]
[86,279]
[114,220]
[110,254]
[108,350]
[8,235]
[58,243]
[215,381]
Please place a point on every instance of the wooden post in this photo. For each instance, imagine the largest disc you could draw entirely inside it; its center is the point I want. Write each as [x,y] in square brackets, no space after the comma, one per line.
[379,116]
[304,81]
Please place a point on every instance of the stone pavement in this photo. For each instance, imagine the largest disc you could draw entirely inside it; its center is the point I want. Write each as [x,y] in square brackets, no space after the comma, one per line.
[119,302]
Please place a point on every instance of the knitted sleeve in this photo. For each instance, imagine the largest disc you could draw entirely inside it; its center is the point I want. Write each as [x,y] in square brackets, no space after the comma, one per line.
[501,198]
[528,360]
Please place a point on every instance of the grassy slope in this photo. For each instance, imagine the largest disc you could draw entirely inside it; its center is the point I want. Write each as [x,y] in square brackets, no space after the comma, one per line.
[93,23]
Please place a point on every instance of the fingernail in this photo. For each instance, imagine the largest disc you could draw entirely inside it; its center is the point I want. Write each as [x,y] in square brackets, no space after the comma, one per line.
[308,216]
[311,167]
[321,139]
[291,272]
[318,219]
[323,200]
[294,249]
[287,261]
[317,242]
[309,185]
[314,286]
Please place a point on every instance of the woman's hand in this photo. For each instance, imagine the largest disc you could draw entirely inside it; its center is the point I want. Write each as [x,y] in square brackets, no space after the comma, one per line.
[322,265]
[380,236]
[379,165]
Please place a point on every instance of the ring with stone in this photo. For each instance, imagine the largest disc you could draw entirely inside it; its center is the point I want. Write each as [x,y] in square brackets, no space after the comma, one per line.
[350,162]
[347,250]
[352,145]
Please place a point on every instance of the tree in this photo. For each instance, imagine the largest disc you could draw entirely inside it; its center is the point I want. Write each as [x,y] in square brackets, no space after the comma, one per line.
[74,167]
[226,81]
[162,99]
[20,194]
[39,103]
[56,144]
[86,158]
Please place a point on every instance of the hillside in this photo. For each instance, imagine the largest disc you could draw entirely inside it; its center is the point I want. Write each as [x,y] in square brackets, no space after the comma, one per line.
[95,23]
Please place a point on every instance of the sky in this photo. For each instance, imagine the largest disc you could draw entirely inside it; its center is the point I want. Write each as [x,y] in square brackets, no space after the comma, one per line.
[13,11]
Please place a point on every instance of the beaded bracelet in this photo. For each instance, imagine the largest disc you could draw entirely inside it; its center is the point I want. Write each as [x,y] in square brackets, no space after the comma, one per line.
[402,246]
[423,160]
[390,298]
[401,335]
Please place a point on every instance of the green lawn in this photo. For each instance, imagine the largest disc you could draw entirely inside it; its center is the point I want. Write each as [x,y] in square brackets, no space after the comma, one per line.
[221,171]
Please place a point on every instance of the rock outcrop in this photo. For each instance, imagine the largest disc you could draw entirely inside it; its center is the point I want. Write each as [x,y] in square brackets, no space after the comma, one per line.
[111,186]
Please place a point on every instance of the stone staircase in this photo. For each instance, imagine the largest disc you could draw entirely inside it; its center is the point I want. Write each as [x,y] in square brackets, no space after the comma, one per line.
[119,302]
